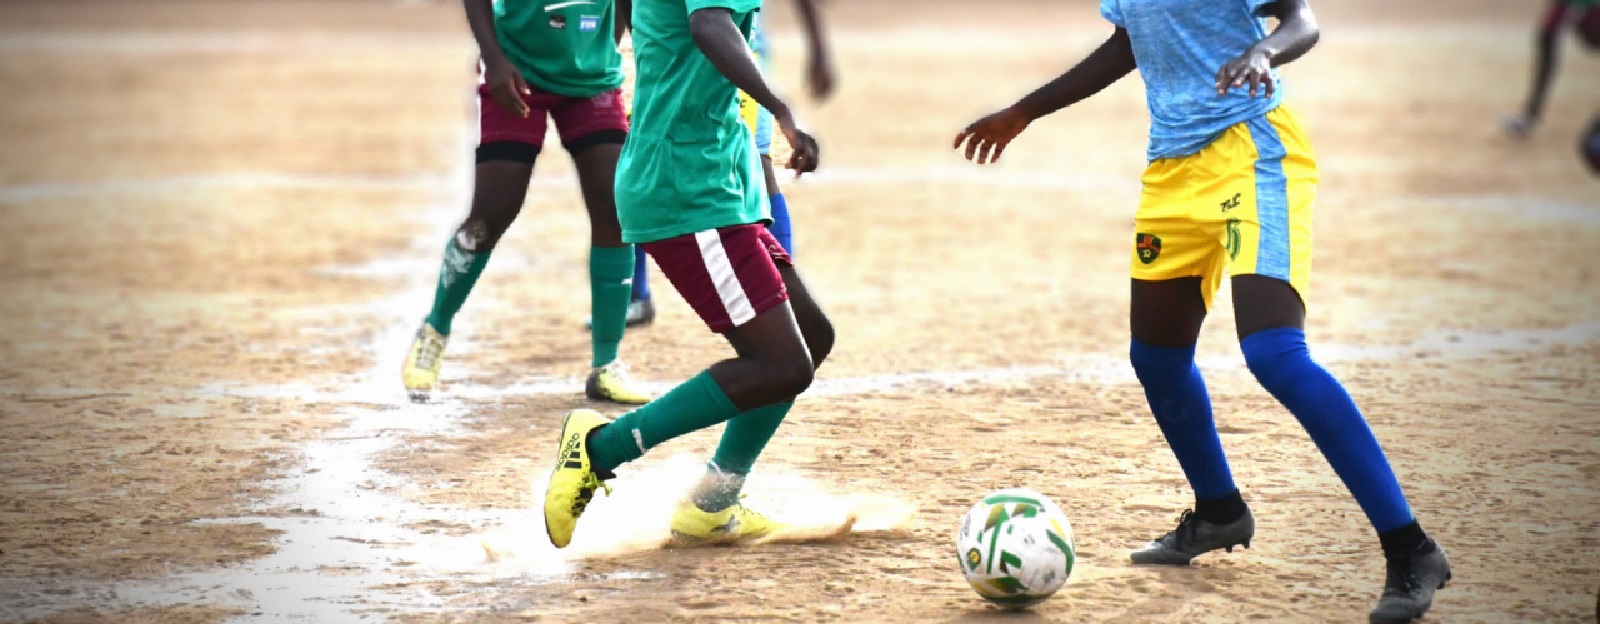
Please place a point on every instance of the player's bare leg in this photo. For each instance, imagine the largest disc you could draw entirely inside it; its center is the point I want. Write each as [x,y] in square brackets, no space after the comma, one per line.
[499,188]
[1165,318]
[610,269]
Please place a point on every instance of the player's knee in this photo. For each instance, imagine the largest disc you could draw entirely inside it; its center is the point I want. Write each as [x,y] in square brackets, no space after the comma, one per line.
[479,234]
[1159,365]
[791,376]
[1276,356]
[819,339]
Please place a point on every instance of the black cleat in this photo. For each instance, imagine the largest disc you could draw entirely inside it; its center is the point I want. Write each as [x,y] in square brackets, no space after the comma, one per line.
[1195,537]
[1408,590]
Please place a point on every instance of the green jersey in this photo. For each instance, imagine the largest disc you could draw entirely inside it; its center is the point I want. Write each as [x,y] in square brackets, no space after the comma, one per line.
[690,163]
[565,47]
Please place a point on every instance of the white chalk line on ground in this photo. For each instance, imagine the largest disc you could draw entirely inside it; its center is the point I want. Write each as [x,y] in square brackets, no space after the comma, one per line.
[1550,209]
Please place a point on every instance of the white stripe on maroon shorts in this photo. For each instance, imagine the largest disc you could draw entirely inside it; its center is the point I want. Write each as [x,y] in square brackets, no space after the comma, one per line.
[724,278]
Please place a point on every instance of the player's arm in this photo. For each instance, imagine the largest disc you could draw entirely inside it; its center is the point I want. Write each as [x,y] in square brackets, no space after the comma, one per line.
[504,80]
[1295,35]
[719,39]
[624,18]
[819,72]
[1104,66]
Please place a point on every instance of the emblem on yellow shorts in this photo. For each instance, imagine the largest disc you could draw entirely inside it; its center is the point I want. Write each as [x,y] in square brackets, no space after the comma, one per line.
[1148,246]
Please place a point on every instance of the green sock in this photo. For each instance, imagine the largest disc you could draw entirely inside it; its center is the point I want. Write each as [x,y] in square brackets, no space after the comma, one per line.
[457,273]
[610,268]
[742,441]
[692,406]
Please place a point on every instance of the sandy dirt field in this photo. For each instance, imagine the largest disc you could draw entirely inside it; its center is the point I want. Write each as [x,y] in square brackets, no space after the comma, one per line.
[222,221]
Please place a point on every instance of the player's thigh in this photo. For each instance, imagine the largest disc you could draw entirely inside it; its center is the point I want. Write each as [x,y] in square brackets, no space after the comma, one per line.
[587,122]
[815,326]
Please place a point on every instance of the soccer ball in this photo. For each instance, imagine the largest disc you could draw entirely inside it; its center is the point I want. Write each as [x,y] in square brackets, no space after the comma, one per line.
[1015,547]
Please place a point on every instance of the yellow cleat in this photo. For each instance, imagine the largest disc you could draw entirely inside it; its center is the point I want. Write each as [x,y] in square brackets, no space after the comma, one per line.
[611,383]
[573,482]
[421,371]
[692,526]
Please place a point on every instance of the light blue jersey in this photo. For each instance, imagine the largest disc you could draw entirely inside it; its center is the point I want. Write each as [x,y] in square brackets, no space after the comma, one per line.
[1179,45]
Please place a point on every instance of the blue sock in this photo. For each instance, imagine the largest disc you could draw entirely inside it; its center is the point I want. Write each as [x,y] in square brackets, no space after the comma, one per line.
[641,274]
[1178,398]
[780,227]
[1280,361]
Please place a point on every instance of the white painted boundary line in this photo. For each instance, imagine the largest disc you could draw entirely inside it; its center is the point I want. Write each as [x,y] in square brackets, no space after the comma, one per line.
[1528,207]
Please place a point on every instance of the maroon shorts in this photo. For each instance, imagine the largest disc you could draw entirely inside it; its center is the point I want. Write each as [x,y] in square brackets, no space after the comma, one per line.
[576,118]
[729,275]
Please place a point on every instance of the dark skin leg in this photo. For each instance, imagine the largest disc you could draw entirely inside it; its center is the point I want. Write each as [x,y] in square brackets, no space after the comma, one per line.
[777,351]
[498,190]
[1167,313]
[597,170]
[1261,303]
[772,175]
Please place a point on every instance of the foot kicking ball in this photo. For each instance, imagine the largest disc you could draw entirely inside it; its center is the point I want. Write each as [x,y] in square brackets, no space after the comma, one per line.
[1015,547]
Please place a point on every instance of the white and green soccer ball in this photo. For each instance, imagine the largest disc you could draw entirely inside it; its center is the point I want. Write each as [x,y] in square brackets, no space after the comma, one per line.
[1015,547]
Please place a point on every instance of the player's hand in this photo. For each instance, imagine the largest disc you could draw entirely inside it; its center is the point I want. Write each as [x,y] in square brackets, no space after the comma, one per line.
[1253,68]
[506,85]
[805,153]
[987,138]
[820,78]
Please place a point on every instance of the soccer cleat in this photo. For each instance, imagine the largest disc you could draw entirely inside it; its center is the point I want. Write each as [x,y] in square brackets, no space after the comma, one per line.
[1195,537]
[692,526]
[1412,579]
[611,383]
[573,482]
[641,312]
[420,374]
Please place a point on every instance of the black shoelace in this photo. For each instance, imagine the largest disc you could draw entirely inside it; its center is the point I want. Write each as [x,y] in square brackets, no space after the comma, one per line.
[1188,524]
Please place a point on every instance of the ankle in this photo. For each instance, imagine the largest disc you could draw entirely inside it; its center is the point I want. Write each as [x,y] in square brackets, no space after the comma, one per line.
[1405,539]
[1221,510]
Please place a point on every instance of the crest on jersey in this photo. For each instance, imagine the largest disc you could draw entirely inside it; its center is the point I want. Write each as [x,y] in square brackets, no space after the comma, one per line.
[1148,246]
[558,21]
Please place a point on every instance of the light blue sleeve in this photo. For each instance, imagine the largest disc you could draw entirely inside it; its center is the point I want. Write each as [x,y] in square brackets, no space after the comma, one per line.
[1112,11]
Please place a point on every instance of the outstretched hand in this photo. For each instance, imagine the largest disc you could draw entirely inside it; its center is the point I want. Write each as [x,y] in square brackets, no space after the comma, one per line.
[987,138]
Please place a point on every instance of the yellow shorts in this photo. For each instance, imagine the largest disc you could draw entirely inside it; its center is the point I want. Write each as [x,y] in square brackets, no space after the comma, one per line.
[1241,205]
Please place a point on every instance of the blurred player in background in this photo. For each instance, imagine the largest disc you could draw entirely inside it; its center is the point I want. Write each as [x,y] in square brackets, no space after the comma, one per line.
[541,60]
[1229,188]
[820,81]
[1557,18]
[690,190]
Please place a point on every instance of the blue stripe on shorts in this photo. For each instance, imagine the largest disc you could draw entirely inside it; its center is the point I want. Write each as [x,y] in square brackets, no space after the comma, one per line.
[764,125]
[1272,200]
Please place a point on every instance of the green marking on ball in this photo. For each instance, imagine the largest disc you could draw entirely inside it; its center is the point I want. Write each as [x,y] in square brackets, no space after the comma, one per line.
[1066,549]
[1012,498]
